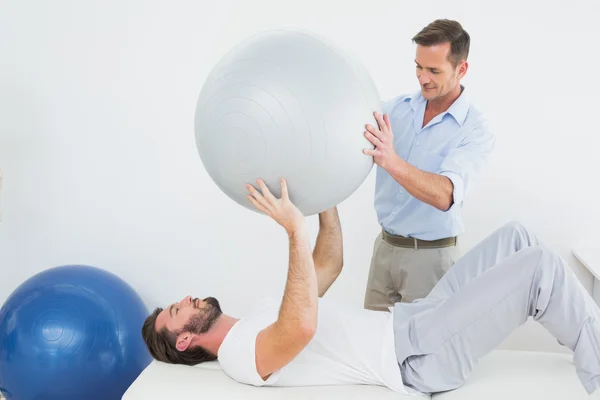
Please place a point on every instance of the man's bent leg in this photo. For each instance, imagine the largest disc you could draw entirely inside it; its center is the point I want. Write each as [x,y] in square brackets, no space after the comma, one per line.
[535,282]
[500,244]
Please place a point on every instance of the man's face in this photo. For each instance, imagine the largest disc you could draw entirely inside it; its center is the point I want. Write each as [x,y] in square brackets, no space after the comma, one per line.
[190,315]
[435,72]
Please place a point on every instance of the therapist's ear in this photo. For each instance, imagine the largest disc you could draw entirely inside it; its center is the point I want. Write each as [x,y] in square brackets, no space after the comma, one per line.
[462,67]
[183,341]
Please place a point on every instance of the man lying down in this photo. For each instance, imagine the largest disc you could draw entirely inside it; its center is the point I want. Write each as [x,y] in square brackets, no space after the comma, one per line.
[418,348]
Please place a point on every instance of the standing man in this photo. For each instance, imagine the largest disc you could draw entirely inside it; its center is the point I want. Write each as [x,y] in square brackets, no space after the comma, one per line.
[429,148]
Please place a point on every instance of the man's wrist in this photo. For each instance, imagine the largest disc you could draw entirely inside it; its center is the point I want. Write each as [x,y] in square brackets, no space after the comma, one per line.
[328,216]
[398,168]
[296,230]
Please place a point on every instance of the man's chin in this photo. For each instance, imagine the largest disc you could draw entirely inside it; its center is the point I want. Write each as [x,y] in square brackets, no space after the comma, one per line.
[429,94]
[214,303]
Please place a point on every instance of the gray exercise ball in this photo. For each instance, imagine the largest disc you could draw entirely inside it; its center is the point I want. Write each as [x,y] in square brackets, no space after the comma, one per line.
[287,103]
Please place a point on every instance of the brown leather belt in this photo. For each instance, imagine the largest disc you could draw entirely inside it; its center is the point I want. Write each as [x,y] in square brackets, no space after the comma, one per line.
[413,243]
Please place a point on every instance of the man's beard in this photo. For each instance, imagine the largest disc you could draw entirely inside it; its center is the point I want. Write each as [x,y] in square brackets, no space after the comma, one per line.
[205,318]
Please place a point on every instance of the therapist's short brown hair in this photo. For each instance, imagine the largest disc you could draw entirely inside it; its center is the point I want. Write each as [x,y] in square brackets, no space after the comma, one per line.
[442,31]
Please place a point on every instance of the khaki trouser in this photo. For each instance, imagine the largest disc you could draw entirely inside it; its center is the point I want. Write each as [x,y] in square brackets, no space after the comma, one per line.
[400,274]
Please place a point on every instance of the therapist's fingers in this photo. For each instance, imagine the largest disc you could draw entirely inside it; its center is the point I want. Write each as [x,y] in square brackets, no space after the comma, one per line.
[382,125]
[386,119]
[373,139]
[374,131]
[372,152]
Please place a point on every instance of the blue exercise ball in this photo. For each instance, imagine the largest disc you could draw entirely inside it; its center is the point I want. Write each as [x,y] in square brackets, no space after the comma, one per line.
[71,332]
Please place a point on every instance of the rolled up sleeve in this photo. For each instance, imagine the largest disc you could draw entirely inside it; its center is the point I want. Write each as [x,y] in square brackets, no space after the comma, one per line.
[465,164]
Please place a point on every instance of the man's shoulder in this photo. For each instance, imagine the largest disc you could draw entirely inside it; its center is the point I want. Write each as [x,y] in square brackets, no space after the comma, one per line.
[403,98]
[237,353]
[395,103]
[476,124]
[475,116]
[242,335]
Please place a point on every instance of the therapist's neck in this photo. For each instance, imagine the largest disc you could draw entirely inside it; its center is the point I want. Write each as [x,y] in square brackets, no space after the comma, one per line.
[211,341]
[442,104]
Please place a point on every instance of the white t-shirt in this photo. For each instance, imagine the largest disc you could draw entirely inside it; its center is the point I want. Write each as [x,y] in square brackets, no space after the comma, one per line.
[350,346]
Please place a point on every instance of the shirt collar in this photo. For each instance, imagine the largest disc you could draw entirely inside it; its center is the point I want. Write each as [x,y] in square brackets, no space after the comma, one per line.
[458,109]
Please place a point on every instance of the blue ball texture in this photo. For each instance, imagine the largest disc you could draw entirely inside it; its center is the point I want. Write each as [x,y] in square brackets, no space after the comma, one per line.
[71,332]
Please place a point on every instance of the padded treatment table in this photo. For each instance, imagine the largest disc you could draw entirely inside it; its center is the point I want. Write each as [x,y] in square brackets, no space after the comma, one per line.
[501,375]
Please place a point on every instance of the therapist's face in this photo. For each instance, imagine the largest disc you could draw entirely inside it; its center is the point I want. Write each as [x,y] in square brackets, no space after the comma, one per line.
[437,76]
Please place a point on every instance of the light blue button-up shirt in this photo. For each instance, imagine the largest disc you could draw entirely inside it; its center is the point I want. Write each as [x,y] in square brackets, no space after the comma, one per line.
[455,144]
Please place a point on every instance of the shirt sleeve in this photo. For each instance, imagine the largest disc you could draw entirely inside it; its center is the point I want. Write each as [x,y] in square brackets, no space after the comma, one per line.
[237,355]
[465,164]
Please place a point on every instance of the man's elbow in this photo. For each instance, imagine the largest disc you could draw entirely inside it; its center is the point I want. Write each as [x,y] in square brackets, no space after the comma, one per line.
[306,331]
[296,334]
[337,268]
[445,203]
[446,199]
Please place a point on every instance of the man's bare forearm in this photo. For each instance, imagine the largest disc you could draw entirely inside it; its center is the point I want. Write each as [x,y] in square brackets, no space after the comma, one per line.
[433,189]
[328,252]
[299,305]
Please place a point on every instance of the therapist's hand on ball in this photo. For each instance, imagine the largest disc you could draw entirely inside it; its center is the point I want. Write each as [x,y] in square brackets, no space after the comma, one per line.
[382,138]
[282,210]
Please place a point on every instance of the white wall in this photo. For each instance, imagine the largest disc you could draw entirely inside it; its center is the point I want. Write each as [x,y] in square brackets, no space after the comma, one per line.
[100,167]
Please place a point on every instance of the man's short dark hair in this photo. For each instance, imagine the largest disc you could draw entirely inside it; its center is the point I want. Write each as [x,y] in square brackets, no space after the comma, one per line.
[161,344]
[443,31]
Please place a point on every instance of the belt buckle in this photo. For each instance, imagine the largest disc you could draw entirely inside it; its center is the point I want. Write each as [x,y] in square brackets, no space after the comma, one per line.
[415,241]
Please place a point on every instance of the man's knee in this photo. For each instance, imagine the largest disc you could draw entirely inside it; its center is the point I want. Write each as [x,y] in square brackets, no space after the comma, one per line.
[521,234]
[545,259]
[551,258]
[515,227]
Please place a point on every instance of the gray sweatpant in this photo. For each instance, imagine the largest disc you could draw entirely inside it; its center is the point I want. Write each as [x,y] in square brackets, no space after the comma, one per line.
[507,278]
